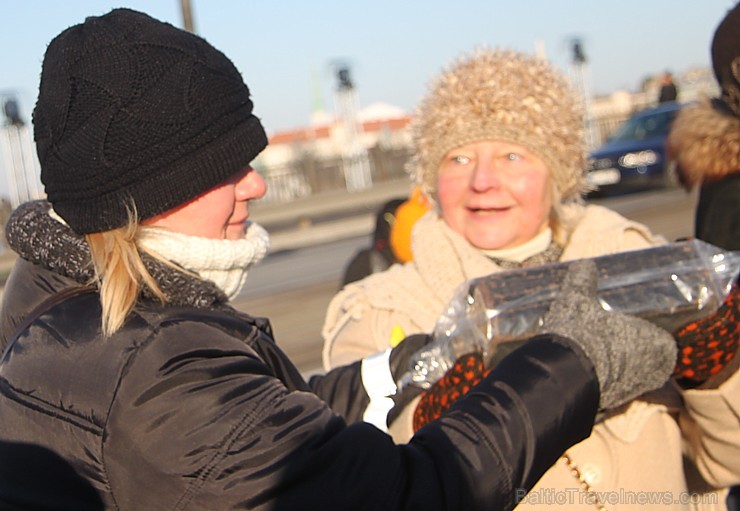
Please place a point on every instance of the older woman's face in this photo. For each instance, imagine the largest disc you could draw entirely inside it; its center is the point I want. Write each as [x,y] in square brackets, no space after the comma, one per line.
[219,213]
[495,194]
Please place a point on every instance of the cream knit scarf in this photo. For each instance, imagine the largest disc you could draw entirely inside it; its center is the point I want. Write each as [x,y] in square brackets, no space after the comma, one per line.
[223,262]
[521,253]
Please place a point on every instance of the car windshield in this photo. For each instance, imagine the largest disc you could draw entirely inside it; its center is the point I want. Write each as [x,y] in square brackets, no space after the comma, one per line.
[644,127]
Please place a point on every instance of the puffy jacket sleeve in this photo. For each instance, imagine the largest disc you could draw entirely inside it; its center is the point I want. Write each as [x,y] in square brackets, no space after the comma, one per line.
[343,391]
[208,425]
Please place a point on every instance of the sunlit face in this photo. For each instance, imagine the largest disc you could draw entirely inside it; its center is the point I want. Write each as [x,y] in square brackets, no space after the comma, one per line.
[219,213]
[495,194]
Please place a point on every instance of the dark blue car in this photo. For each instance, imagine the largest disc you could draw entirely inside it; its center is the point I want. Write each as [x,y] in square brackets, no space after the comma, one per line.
[634,157]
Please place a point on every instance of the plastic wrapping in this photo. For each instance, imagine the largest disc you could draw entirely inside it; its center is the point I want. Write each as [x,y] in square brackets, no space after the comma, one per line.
[669,285]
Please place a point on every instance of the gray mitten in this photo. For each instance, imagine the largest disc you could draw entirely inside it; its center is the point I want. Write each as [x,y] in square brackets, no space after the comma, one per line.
[631,356]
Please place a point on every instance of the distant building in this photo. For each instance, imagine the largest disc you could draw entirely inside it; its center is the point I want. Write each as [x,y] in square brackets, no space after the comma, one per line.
[610,111]
[308,160]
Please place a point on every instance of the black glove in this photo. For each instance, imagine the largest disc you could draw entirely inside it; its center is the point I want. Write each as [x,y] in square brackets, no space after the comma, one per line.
[381,374]
[401,363]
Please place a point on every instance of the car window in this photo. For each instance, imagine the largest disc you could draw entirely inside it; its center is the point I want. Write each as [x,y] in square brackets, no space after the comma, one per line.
[643,127]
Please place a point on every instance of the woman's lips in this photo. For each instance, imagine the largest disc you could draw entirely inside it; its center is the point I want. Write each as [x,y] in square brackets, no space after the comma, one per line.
[489,210]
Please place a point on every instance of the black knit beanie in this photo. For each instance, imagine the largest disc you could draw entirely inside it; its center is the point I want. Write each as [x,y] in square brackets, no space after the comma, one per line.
[726,58]
[131,109]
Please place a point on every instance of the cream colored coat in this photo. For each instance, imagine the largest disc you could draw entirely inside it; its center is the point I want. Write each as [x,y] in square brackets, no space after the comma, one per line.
[632,458]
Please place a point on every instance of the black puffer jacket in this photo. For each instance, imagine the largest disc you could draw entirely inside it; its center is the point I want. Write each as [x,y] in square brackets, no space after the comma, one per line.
[193,406]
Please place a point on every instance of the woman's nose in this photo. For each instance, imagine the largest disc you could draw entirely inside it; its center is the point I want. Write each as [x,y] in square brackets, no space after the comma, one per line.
[251,185]
[485,175]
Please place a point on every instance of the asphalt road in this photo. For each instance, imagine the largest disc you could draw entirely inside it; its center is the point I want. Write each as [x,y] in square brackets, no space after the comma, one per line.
[293,288]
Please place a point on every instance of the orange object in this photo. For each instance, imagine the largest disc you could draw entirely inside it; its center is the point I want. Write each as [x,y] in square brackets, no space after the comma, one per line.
[406,216]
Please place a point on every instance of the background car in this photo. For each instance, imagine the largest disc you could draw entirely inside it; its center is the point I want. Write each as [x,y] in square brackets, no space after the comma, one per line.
[634,156]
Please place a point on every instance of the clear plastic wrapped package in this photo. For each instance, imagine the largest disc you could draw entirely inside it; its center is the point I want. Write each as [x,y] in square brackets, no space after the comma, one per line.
[669,285]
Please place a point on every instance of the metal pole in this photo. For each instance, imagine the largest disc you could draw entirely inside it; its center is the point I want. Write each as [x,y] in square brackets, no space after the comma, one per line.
[32,166]
[582,83]
[6,149]
[355,159]
[187,16]
[20,164]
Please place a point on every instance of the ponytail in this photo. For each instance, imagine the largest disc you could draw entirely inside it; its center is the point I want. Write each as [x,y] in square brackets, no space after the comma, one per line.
[119,273]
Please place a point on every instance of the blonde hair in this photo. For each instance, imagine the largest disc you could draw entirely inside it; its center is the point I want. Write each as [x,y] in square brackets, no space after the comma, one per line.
[560,222]
[120,272]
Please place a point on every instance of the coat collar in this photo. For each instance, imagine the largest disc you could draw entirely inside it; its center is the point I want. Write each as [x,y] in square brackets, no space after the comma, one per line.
[37,237]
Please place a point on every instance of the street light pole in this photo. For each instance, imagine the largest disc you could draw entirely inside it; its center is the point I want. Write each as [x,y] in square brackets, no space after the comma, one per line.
[355,159]
[18,159]
[187,16]
[582,83]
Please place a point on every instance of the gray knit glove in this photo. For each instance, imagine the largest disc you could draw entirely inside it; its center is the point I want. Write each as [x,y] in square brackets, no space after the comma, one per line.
[630,355]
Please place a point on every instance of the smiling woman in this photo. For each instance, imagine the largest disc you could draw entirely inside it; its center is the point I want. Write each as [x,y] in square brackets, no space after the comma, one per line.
[496,194]
[499,150]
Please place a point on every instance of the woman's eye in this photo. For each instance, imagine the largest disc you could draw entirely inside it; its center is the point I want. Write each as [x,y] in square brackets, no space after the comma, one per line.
[513,156]
[461,160]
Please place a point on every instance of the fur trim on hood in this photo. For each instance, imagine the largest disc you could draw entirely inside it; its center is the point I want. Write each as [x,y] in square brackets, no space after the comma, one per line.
[705,143]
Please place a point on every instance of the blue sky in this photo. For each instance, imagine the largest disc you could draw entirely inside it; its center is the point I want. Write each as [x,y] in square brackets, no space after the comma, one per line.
[285,49]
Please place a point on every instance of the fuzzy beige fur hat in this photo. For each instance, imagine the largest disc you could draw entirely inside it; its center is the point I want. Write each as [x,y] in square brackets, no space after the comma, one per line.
[498,94]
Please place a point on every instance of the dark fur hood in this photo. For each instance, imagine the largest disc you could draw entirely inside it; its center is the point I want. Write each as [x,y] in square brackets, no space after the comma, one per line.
[705,143]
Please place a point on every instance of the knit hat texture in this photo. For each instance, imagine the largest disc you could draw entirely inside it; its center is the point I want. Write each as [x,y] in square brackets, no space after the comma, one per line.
[726,58]
[134,110]
[499,94]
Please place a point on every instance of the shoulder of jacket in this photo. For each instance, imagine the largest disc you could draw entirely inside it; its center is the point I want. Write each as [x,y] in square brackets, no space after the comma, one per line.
[377,289]
[602,231]
[608,222]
